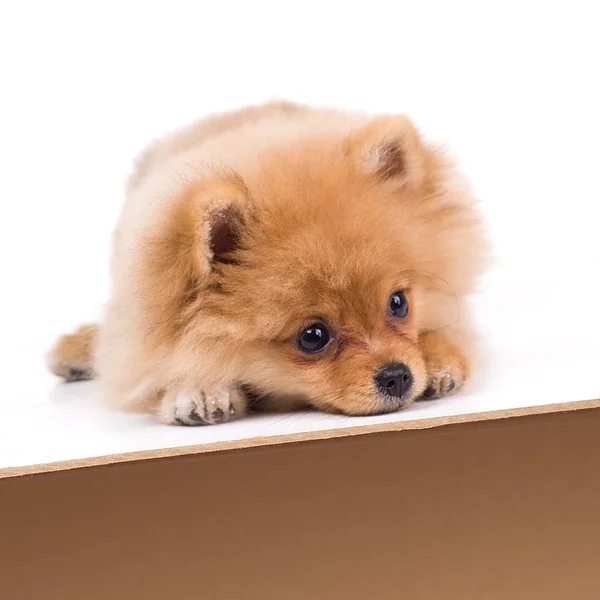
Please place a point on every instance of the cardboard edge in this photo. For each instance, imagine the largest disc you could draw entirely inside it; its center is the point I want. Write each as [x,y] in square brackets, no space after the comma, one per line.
[239,444]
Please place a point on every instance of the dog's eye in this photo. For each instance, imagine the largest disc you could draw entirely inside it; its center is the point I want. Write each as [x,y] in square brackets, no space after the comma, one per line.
[399,305]
[313,339]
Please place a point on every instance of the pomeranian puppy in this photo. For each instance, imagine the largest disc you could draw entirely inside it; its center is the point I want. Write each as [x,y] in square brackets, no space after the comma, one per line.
[283,256]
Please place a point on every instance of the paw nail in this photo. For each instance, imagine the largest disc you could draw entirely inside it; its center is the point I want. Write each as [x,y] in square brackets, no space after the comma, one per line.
[217,414]
[195,417]
[75,374]
[429,392]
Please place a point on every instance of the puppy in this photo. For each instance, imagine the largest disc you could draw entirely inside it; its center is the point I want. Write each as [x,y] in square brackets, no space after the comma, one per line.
[283,256]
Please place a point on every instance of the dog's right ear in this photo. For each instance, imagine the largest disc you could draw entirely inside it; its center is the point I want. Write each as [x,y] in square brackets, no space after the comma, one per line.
[218,209]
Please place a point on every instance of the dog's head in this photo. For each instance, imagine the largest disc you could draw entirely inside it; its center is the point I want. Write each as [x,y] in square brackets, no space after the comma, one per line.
[315,274]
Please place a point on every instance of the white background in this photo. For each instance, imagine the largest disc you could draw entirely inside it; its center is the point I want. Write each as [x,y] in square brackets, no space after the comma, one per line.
[513,87]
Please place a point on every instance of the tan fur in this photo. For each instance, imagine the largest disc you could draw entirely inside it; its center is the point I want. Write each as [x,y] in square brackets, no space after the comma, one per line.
[244,228]
[72,355]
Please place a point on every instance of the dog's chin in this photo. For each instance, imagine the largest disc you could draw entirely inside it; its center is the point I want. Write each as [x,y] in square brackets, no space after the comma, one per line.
[261,401]
[381,405]
[389,404]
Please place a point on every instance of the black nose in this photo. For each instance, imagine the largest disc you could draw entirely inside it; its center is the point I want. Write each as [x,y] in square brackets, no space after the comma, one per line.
[394,379]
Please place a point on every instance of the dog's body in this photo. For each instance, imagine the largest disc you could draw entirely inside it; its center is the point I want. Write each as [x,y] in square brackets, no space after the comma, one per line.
[294,255]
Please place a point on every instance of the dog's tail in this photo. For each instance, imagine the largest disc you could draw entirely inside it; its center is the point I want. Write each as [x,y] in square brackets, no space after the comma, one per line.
[72,356]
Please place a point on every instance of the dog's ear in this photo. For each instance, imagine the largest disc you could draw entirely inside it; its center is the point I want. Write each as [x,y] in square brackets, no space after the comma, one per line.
[390,148]
[220,210]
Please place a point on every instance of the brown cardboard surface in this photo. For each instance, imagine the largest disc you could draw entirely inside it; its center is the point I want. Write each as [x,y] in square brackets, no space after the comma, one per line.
[252,442]
[501,510]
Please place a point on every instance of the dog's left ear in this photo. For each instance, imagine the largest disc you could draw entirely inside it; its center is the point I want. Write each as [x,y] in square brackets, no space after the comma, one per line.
[391,149]
[220,209]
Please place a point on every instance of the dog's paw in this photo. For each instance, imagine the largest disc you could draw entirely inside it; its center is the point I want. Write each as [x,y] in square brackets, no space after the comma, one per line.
[442,383]
[196,407]
[447,367]
[72,355]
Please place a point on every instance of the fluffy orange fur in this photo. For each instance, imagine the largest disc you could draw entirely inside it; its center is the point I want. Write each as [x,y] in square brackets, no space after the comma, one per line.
[244,229]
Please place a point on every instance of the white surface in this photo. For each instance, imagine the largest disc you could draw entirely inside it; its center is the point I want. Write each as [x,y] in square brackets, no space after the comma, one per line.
[513,90]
